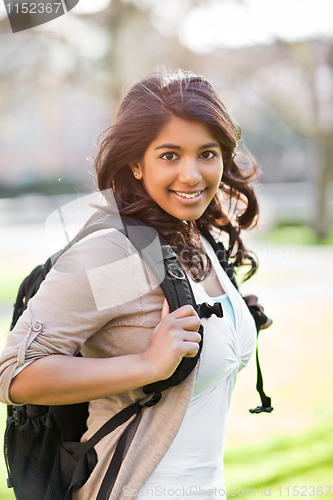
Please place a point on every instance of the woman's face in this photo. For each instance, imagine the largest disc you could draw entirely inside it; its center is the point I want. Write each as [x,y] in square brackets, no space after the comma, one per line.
[182,168]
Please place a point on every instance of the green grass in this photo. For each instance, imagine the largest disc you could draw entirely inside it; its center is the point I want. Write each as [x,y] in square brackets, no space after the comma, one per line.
[301,460]
[294,235]
[13,269]
[8,290]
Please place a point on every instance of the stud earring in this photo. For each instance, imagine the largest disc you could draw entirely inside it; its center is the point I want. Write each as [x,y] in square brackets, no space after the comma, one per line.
[137,175]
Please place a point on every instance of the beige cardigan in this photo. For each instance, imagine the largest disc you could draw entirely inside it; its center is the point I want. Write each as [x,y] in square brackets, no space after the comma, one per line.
[97,300]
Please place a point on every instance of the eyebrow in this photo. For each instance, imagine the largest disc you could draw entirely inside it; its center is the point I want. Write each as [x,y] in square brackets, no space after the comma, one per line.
[179,148]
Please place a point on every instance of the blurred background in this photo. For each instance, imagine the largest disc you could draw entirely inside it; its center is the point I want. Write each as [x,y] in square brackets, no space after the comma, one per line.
[272,64]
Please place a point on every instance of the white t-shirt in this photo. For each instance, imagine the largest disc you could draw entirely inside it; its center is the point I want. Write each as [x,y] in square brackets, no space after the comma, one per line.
[193,465]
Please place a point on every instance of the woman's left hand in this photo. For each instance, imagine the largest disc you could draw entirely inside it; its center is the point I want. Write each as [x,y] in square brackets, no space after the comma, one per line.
[252,300]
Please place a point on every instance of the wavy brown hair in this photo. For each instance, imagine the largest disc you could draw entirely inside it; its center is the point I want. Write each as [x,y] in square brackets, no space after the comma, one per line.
[146,108]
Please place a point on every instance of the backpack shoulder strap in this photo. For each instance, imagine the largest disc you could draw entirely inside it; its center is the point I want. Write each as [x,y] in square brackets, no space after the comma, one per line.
[155,253]
[163,262]
[168,271]
[258,315]
[222,256]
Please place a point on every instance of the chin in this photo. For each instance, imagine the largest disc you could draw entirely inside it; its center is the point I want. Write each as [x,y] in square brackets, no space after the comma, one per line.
[187,217]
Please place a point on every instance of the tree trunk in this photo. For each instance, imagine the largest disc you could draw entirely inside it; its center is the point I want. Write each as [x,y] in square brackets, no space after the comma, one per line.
[325,175]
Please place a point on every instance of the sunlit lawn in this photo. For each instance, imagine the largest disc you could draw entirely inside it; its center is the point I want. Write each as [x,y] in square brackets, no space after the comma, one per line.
[281,455]
[293,446]
[295,235]
[284,464]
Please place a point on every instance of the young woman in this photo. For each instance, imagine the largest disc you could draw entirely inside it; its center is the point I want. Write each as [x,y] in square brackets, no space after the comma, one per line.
[171,161]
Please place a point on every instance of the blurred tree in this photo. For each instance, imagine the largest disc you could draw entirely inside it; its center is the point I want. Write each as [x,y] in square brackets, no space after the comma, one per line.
[299,83]
[135,46]
[320,75]
[49,75]
[296,80]
[100,51]
[105,50]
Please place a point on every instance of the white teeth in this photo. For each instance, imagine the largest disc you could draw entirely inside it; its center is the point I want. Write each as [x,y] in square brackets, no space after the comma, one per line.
[187,195]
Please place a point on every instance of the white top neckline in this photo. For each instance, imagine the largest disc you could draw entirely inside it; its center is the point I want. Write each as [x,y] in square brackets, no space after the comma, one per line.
[194,461]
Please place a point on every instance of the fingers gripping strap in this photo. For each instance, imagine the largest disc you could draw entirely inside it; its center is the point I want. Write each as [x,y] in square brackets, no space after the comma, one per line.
[178,292]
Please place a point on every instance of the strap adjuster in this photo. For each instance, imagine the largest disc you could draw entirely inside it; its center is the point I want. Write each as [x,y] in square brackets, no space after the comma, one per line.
[262,409]
[175,271]
[17,416]
[151,399]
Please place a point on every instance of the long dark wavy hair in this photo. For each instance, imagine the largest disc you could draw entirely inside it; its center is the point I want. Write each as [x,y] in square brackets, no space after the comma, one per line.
[146,108]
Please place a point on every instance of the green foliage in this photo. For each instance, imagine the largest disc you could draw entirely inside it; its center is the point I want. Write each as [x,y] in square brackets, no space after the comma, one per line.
[8,290]
[295,235]
[13,270]
[301,460]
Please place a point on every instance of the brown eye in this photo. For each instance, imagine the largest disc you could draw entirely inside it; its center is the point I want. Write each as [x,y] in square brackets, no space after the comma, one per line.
[207,155]
[169,156]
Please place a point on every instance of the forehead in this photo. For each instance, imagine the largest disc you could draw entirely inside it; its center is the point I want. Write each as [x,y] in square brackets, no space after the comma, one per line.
[183,133]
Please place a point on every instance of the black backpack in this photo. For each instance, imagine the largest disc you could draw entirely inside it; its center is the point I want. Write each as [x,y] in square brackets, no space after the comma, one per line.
[44,457]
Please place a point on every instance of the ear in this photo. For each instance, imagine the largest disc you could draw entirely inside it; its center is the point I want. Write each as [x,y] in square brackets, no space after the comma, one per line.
[137,170]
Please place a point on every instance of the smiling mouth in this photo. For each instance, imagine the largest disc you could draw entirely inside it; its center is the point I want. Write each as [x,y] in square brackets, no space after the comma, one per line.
[190,196]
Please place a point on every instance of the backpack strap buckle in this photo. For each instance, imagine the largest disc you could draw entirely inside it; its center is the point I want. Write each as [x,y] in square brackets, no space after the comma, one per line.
[151,399]
[262,409]
[205,310]
[17,416]
[175,271]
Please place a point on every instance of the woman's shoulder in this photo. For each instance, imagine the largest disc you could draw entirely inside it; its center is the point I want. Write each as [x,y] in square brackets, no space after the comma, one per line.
[107,263]
[96,249]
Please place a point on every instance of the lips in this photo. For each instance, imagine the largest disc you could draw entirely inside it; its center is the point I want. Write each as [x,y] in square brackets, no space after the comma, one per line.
[189,196]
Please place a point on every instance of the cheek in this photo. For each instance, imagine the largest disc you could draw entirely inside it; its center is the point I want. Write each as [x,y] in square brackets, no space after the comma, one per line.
[157,178]
[215,175]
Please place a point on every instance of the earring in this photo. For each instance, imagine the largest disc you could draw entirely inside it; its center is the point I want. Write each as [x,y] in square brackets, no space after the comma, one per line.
[137,175]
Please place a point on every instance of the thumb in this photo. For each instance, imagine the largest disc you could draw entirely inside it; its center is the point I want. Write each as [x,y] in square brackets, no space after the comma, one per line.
[165,309]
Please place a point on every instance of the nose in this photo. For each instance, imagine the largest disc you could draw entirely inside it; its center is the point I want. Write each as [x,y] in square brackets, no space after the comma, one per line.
[189,172]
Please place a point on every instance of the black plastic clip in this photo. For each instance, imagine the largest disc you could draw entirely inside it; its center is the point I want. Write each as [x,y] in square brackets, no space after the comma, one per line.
[10,482]
[151,399]
[17,416]
[262,409]
[205,310]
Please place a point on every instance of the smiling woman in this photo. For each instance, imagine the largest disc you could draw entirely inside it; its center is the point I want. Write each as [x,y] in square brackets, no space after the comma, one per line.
[182,169]
[186,146]
[169,161]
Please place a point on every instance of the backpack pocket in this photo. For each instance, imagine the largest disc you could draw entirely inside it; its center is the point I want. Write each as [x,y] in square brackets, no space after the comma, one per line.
[32,455]
[76,469]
